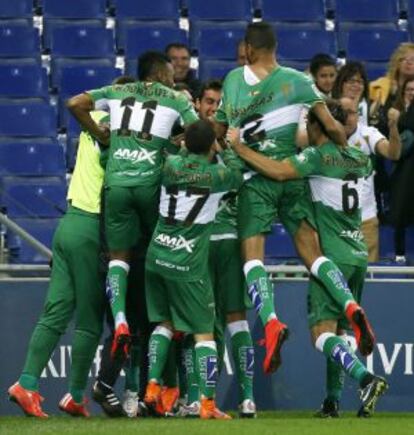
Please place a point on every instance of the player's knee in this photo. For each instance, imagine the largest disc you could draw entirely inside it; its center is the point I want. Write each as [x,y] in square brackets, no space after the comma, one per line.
[238,326]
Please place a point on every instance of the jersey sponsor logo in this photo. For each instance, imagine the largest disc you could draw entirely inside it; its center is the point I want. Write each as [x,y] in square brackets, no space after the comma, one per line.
[172,266]
[175,243]
[136,156]
[353,235]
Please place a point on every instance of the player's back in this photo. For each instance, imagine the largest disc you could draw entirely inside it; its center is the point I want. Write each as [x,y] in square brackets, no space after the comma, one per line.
[336,189]
[191,189]
[267,111]
[142,116]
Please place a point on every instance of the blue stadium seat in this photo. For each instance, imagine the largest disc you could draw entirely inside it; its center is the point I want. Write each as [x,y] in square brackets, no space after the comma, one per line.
[42,230]
[16,9]
[34,197]
[23,81]
[293,10]
[228,10]
[373,44]
[76,10]
[295,64]
[81,41]
[215,69]
[217,40]
[32,158]
[303,44]
[19,41]
[151,30]
[61,63]
[49,25]
[367,10]
[279,244]
[27,119]
[140,39]
[376,69]
[147,10]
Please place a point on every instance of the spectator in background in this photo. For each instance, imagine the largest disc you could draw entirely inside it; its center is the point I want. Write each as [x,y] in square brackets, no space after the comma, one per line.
[209,99]
[180,56]
[241,53]
[323,70]
[352,82]
[383,91]
[371,142]
[402,177]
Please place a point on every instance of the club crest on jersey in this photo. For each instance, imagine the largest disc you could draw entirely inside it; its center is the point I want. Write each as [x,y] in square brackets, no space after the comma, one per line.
[136,156]
[175,243]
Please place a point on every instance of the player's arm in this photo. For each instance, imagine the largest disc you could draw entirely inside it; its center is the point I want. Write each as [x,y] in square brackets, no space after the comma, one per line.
[80,107]
[277,170]
[333,128]
[227,176]
[391,148]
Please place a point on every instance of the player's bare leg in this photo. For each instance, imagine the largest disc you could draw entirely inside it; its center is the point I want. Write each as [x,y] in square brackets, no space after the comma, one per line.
[307,244]
[116,288]
[260,291]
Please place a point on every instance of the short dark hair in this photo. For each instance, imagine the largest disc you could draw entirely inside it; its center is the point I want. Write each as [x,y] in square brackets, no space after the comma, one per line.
[123,80]
[336,110]
[320,60]
[215,85]
[345,73]
[199,137]
[149,62]
[260,36]
[178,45]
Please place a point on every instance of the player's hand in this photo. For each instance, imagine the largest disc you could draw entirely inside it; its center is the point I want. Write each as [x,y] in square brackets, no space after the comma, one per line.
[393,116]
[178,140]
[233,136]
[216,147]
[103,134]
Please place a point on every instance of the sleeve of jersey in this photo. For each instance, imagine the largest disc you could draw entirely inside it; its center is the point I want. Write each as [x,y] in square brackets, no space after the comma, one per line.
[187,113]
[307,162]
[100,97]
[221,115]
[308,92]
[228,176]
[374,136]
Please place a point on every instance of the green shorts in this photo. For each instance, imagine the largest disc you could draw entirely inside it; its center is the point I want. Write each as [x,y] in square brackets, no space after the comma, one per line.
[227,279]
[322,307]
[188,305]
[261,200]
[130,213]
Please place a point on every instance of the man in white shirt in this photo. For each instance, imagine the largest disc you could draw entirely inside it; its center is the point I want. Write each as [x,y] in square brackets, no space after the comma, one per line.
[371,142]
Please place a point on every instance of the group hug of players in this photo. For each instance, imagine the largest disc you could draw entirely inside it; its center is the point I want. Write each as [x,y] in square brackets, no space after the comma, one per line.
[188,221]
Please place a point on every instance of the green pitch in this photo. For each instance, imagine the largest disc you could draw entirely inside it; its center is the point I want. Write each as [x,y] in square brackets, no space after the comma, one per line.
[275,423]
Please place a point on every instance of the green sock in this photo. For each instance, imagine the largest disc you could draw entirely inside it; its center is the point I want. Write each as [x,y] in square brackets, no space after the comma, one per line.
[158,347]
[83,351]
[132,369]
[243,356]
[169,374]
[335,379]
[338,351]
[260,290]
[116,288]
[333,280]
[190,362]
[206,357]
[41,346]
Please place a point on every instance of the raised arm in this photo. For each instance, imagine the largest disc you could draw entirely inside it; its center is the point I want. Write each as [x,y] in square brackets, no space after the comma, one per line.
[80,107]
[277,170]
[333,128]
[391,149]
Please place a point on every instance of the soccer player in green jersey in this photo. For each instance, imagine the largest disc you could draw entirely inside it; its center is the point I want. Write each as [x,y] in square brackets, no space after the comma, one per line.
[265,100]
[142,116]
[178,286]
[76,286]
[336,176]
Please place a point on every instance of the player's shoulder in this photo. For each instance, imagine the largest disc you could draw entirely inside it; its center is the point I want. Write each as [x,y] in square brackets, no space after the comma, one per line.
[234,75]
[294,74]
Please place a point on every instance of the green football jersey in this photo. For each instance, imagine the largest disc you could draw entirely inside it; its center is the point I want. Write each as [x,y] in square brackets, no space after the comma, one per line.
[267,111]
[191,189]
[142,116]
[336,178]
